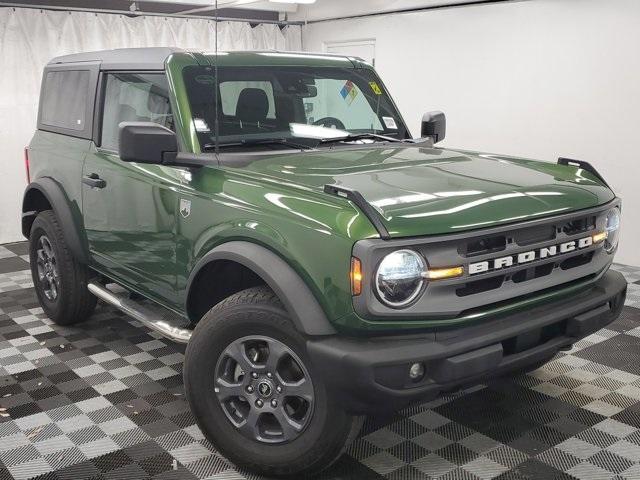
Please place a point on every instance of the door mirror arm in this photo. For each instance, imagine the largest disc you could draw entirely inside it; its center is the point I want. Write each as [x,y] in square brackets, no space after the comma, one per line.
[188,160]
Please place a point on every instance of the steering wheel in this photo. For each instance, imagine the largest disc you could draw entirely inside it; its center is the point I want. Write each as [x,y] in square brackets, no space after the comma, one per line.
[330,122]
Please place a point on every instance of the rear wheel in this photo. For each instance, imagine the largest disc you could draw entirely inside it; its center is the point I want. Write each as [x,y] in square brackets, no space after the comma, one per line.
[59,280]
[256,395]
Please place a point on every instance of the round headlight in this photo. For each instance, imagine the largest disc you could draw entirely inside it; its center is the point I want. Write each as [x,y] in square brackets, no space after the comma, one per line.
[399,278]
[612,226]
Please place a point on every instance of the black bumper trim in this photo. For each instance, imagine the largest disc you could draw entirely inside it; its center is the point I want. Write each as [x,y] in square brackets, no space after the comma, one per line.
[369,375]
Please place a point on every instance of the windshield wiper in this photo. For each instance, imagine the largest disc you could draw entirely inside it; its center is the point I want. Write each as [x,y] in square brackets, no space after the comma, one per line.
[255,143]
[360,136]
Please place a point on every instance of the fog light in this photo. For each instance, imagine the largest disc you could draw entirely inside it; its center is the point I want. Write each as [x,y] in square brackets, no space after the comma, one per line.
[416,371]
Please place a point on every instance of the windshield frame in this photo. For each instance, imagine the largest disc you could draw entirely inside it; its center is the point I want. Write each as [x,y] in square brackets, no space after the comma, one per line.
[364,75]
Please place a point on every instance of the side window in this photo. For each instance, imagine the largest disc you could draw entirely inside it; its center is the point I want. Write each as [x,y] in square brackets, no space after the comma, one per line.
[230,93]
[64,101]
[133,97]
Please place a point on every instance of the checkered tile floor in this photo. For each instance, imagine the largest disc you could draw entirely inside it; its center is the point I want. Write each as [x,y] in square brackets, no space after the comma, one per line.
[106,401]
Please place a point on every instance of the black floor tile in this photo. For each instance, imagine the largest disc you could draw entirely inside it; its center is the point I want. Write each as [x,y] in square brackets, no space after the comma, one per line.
[13,264]
[19,248]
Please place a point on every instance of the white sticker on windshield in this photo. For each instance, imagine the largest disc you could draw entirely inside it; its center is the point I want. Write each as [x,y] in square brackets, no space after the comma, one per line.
[390,123]
[201,125]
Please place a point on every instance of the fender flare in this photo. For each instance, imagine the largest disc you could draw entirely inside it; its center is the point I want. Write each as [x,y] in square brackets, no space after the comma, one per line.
[67,212]
[306,313]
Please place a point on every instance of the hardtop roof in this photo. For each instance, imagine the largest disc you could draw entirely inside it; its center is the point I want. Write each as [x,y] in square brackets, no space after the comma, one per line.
[153,58]
[141,58]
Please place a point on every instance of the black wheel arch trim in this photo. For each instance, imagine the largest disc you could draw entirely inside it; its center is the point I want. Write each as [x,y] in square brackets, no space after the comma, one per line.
[306,313]
[67,212]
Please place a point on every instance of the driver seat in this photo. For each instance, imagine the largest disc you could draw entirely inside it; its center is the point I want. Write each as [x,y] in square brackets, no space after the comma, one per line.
[252,108]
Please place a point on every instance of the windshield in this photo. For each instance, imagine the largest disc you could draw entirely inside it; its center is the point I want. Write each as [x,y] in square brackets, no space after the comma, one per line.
[289,105]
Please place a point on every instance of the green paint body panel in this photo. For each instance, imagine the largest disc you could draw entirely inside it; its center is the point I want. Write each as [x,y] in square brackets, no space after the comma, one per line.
[432,191]
[138,237]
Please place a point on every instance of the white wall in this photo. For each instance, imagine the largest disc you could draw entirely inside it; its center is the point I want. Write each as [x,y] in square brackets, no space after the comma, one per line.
[30,38]
[541,79]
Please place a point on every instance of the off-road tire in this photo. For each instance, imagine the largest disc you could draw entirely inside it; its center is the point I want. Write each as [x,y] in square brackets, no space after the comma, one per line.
[73,303]
[257,311]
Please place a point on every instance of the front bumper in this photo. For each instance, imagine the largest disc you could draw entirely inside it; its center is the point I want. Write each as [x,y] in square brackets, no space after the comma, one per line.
[369,375]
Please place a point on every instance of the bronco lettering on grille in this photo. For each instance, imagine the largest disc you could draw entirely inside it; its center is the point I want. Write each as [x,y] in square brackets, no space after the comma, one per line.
[529,257]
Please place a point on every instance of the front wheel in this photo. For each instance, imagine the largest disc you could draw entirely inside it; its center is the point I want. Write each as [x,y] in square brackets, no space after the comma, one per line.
[255,394]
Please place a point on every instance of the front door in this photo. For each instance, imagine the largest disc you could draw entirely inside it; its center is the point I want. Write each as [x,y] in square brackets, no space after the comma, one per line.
[130,209]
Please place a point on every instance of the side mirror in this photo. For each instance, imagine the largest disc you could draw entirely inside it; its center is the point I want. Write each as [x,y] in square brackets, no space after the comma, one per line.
[147,142]
[434,125]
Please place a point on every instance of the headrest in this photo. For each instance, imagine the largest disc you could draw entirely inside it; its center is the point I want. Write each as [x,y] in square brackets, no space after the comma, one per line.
[158,103]
[253,105]
[126,113]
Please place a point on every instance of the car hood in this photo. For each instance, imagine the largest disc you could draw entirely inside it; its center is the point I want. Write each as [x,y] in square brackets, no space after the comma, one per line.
[427,191]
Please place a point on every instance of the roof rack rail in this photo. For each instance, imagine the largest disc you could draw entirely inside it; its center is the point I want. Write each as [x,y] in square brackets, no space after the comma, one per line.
[356,197]
[583,165]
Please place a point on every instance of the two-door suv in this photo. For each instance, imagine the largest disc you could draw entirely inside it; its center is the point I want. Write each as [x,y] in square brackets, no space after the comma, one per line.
[272,211]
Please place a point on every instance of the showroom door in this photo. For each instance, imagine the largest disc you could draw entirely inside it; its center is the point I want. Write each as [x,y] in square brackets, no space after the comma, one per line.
[365,49]
[129,209]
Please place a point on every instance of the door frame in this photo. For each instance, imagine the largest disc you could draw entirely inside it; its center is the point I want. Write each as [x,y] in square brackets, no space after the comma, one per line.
[352,43]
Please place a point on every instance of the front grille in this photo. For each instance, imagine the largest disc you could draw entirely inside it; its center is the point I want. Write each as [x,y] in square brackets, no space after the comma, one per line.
[533,273]
[483,246]
[551,233]
[580,225]
[481,289]
[480,286]
[525,275]
[530,236]
[577,261]
[527,236]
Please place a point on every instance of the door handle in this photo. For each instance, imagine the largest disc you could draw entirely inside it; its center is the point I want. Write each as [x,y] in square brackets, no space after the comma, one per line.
[94,181]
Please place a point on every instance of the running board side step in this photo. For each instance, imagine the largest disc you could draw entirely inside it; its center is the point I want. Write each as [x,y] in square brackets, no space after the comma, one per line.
[147,317]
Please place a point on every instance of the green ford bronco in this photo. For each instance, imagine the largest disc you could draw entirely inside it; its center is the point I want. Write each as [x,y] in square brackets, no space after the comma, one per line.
[273,212]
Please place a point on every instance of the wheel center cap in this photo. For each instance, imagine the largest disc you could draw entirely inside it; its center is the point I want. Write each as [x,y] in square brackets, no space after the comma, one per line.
[265,389]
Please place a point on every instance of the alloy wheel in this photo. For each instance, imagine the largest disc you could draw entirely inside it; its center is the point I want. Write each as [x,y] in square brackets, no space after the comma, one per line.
[264,389]
[47,269]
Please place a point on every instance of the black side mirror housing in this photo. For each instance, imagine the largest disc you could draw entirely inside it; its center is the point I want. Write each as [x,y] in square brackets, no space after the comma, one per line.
[147,142]
[434,125]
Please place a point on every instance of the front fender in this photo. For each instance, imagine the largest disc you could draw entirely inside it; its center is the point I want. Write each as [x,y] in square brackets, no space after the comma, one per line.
[305,311]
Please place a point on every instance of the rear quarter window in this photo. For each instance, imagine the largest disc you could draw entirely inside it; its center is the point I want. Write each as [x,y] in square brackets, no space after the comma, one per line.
[64,101]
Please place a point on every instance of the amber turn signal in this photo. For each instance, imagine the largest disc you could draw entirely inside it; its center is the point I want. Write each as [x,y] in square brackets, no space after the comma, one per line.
[443,273]
[356,276]
[599,237]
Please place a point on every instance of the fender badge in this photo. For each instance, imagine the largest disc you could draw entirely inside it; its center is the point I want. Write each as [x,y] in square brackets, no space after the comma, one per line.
[185,207]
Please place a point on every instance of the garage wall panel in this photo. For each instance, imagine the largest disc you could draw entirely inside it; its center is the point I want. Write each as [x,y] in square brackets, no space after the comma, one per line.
[538,78]
[30,38]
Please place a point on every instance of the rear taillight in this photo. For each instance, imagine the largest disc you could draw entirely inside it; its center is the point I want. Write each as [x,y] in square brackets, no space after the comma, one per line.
[26,164]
